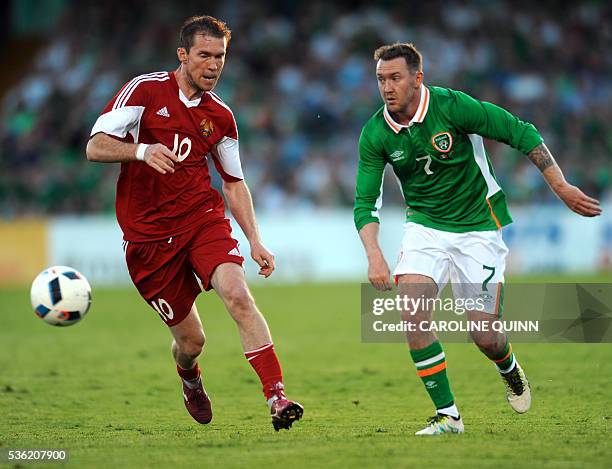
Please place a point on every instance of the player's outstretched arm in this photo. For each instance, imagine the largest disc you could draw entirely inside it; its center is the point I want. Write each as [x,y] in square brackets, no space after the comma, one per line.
[105,149]
[572,196]
[378,270]
[240,204]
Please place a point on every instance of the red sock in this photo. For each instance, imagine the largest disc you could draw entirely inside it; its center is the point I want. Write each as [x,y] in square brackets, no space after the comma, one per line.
[189,375]
[266,365]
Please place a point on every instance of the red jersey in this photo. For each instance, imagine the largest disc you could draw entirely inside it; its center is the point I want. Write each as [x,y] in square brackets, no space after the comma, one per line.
[152,109]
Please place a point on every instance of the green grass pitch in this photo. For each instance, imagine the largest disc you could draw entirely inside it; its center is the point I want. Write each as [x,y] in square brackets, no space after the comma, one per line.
[107,391]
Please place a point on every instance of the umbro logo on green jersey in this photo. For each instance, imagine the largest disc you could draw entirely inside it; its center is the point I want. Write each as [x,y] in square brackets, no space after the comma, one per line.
[397,155]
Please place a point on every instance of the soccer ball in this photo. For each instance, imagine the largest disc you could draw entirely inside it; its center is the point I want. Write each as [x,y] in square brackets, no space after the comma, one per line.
[60,295]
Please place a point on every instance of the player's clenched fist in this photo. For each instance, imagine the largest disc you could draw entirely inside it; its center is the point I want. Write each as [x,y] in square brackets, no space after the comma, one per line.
[264,258]
[378,273]
[160,158]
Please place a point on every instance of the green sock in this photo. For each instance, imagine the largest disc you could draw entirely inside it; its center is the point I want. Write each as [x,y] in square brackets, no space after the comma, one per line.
[505,361]
[430,363]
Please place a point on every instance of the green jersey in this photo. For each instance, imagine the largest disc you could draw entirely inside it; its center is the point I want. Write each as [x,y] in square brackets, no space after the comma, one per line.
[440,161]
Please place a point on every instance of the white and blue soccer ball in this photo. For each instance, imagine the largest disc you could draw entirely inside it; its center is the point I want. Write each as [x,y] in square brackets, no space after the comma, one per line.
[60,295]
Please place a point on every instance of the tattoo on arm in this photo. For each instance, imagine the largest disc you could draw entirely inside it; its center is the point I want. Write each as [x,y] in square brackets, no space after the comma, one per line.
[541,157]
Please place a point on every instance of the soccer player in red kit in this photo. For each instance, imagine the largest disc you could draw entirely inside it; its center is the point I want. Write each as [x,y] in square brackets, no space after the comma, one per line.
[161,127]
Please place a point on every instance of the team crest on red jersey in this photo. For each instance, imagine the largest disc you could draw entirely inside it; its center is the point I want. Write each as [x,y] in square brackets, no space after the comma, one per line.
[443,142]
[206,128]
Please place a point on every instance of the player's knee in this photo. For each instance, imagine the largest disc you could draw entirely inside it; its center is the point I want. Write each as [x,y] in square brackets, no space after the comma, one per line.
[199,340]
[409,317]
[240,303]
[191,350]
[192,346]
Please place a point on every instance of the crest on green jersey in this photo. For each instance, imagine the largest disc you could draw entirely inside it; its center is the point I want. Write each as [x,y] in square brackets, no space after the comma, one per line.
[443,142]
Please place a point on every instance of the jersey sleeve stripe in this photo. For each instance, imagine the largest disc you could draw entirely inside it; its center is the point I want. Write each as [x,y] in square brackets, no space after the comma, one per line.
[125,94]
[219,101]
[125,98]
[129,85]
[134,81]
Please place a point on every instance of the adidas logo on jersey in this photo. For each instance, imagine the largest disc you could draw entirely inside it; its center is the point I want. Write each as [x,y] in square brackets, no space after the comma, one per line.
[163,112]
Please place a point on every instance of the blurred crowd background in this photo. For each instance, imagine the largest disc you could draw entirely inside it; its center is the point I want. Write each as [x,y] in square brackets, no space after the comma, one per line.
[300,79]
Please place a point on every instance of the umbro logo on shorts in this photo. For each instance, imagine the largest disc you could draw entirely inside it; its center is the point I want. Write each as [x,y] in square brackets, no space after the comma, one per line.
[163,112]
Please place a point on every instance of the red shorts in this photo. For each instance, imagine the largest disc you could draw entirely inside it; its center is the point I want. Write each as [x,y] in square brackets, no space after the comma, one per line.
[164,272]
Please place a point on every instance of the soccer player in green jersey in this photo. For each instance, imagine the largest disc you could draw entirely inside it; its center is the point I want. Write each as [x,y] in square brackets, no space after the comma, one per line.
[433,139]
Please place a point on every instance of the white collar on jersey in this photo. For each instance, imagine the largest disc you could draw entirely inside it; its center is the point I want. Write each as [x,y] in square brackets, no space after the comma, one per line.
[187,102]
[419,115]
